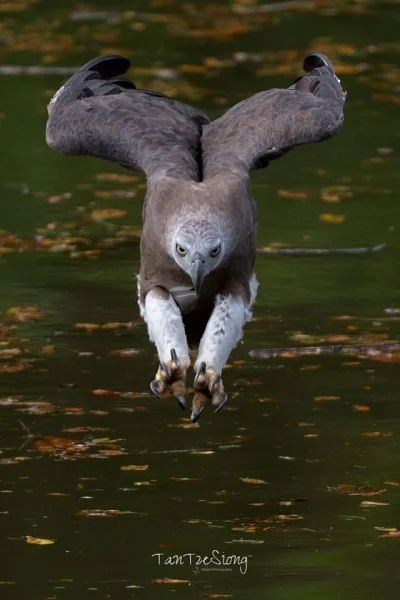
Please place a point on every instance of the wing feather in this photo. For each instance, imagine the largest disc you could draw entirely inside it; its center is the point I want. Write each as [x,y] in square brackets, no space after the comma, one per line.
[269,124]
[99,113]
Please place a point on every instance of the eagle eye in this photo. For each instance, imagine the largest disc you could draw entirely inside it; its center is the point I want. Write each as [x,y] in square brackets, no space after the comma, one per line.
[180,250]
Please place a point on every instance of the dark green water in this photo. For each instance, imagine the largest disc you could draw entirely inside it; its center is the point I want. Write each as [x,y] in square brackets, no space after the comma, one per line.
[305,532]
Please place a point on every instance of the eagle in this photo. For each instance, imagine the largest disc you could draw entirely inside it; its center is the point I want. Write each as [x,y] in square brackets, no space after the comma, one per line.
[196,284]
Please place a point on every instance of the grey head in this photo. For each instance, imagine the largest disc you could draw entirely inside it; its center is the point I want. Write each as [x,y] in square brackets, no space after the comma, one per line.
[198,248]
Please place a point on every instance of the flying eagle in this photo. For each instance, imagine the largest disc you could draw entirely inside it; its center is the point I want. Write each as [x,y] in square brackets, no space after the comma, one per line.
[196,282]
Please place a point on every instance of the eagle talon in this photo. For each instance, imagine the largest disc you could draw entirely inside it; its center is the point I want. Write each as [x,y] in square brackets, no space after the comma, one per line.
[174,357]
[164,368]
[197,409]
[202,369]
[223,400]
[171,376]
[217,379]
[181,401]
[208,385]
[154,386]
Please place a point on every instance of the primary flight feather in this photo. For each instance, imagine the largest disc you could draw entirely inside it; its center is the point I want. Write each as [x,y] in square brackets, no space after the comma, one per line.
[196,282]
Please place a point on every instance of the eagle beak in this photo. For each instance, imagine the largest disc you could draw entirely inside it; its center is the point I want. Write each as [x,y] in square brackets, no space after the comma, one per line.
[197,272]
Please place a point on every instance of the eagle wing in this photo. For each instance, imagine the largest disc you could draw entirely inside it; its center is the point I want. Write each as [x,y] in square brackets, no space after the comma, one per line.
[100,113]
[270,123]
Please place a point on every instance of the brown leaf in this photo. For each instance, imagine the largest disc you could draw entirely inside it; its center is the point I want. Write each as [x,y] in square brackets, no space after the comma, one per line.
[326,398]
[291,194]
[134,467]
[391,534]
[47,444]
[120,178]
[376,434]
[171,581]
[24,313]
[249,480]
[107,213]
[361,407]
[87,326]
[125,352]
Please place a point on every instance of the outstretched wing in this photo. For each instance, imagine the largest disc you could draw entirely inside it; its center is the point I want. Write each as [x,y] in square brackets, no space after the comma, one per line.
[99,113]
[269,124]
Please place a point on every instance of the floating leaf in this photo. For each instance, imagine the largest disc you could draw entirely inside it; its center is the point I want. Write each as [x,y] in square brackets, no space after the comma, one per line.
[108,213]
[125,352]
[326,398]
[249,480]
[361,407]
[134,467]
[291,194]
[171,581]
[87,326]
[376,434]
[25,313]
[331,218]
[98,512]
[38,541]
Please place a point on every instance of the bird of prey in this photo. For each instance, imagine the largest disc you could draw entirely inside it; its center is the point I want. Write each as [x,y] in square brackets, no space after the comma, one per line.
[196,283]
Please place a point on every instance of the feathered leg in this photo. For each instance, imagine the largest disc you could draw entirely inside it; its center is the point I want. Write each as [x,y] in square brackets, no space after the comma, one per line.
[224,330]
[166,330]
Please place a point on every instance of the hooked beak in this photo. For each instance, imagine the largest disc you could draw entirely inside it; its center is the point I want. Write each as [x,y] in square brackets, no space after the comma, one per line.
[197,272]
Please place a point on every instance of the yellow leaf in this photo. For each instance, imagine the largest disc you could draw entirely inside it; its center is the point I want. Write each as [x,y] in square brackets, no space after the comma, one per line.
[38,541]
[331,218]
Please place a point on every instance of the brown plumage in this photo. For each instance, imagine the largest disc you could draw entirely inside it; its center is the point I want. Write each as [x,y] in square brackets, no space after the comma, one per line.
[196,279]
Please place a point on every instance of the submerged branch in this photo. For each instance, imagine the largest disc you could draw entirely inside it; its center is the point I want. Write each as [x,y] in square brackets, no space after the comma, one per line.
[271,7]
[357,349]
[320,251]
[36,70]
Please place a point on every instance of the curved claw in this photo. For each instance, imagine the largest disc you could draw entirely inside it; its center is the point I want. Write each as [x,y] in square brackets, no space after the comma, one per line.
[202,369]
[223,401]
[181,401]
[194,417]
[164,368]
[154,388]
[174,356]
[217,379]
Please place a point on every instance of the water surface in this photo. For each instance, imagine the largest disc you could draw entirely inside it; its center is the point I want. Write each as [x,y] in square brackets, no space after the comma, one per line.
[299,473]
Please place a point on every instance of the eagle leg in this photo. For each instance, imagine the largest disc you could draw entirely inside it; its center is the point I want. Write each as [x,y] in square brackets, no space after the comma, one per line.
[224,330]
[166,330]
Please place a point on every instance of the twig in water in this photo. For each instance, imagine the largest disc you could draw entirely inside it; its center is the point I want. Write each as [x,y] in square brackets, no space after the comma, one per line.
[391,346]
[320,251]
[36,70]
[29,435]
[272,7]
